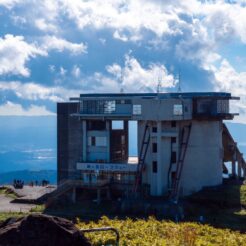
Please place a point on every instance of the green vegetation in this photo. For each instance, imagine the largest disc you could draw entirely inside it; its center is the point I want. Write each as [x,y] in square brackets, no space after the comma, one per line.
[38,209]
[6,215]
[8,193]
[154,232]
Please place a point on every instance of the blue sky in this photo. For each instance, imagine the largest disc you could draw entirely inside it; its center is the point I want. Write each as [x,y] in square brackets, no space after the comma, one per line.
[53,50]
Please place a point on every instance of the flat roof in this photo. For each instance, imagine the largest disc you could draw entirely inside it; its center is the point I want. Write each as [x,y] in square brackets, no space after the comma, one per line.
[155,95]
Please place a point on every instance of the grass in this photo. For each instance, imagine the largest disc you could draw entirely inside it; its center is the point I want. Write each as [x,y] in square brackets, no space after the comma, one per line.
[154,232]
[8,193]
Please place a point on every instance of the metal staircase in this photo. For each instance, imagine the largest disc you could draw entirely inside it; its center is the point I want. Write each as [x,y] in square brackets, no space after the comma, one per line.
[185,136]
[142,156]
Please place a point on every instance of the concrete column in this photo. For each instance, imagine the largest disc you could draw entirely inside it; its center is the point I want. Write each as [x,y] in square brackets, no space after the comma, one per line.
[233,168]
[108,140]
[84,140]
[159,149]
[98,196]
[74,195]
[239,167]
[108,194]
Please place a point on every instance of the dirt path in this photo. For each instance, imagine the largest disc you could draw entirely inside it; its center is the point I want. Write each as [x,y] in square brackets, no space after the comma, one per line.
[7,206]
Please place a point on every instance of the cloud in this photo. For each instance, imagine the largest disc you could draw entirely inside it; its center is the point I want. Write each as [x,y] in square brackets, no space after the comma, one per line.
[43,25]
[33,91]
[12,109]
[132,77]
[59,44]
[76,71]
[9,3]
[15,53]
[229,80]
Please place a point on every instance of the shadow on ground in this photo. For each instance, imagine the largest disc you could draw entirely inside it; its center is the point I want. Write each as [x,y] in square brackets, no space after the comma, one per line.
[222,207]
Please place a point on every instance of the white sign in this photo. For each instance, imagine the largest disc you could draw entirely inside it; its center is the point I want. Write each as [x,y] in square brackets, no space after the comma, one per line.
[178,109]
[110,167]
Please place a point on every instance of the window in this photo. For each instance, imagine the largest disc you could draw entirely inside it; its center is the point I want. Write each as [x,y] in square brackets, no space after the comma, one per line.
[173,157]
[109,107]
[154,166]
[97,141]
[101,141]
[173,123]
[154,147]
[117,125]
[91,141]
[177,109]
[137,109]
[173,139]
[154,129]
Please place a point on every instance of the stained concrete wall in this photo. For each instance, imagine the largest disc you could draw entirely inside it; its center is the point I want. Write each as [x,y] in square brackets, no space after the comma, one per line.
[203,160]
[204,157]
[69,141]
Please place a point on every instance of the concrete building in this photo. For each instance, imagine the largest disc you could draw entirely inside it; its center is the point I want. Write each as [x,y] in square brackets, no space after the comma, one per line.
[182,143]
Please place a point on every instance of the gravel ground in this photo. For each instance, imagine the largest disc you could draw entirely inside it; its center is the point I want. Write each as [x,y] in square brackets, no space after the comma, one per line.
[7,206]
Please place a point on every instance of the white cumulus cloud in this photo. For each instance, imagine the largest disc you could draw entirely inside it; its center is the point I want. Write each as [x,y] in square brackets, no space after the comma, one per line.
[13,109]
[15,52]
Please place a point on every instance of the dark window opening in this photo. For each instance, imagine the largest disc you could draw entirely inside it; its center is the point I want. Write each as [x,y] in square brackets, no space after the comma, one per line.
[173,157]
[173,139]
[93,141]
[154,166]
[96,125]
[154,129]
[154,147]
[173,123]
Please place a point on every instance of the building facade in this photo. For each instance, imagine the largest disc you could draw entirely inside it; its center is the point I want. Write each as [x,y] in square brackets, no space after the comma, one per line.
[179,141]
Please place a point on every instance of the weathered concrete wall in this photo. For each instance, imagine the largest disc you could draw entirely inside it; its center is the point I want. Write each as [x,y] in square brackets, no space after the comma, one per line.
[69,141]
[203,161]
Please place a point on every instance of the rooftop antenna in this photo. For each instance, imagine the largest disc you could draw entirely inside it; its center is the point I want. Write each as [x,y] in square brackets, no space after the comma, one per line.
[158,89]
[179,82]
[121,81]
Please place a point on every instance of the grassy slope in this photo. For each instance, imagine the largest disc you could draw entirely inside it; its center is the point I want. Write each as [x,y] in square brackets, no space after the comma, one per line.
[154,232]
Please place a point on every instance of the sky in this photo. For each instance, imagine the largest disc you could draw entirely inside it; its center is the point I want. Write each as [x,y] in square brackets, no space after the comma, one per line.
[53,50]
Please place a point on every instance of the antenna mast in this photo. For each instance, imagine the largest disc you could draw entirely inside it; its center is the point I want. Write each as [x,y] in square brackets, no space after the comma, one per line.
[179,82]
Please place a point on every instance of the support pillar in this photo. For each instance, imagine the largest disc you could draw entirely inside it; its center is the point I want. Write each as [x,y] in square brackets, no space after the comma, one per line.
[159,150]
[108,194]
[74,195]
[84,146]
[98,196]
[233,168]
[239,167]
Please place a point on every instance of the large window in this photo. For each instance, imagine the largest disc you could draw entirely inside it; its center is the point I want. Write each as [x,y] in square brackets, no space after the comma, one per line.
[97,141]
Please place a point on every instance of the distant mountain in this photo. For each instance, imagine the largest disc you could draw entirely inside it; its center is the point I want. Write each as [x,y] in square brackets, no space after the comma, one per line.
[27,176]
[27,143]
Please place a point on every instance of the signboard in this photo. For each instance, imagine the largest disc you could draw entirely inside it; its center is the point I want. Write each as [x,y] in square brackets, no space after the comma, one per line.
[177,109]
[109,167]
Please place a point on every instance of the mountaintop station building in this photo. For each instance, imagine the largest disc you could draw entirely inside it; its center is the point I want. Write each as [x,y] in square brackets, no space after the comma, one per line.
[182,143]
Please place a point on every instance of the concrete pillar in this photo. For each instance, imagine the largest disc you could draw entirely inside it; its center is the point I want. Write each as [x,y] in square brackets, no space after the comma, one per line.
[108,194]
[239,167]
[74,195]
[233,168]
[84,140]
[108,140]
[98,196]
[159,150]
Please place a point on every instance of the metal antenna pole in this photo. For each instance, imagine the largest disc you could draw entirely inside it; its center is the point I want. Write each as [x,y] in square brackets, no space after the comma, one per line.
[179,82]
